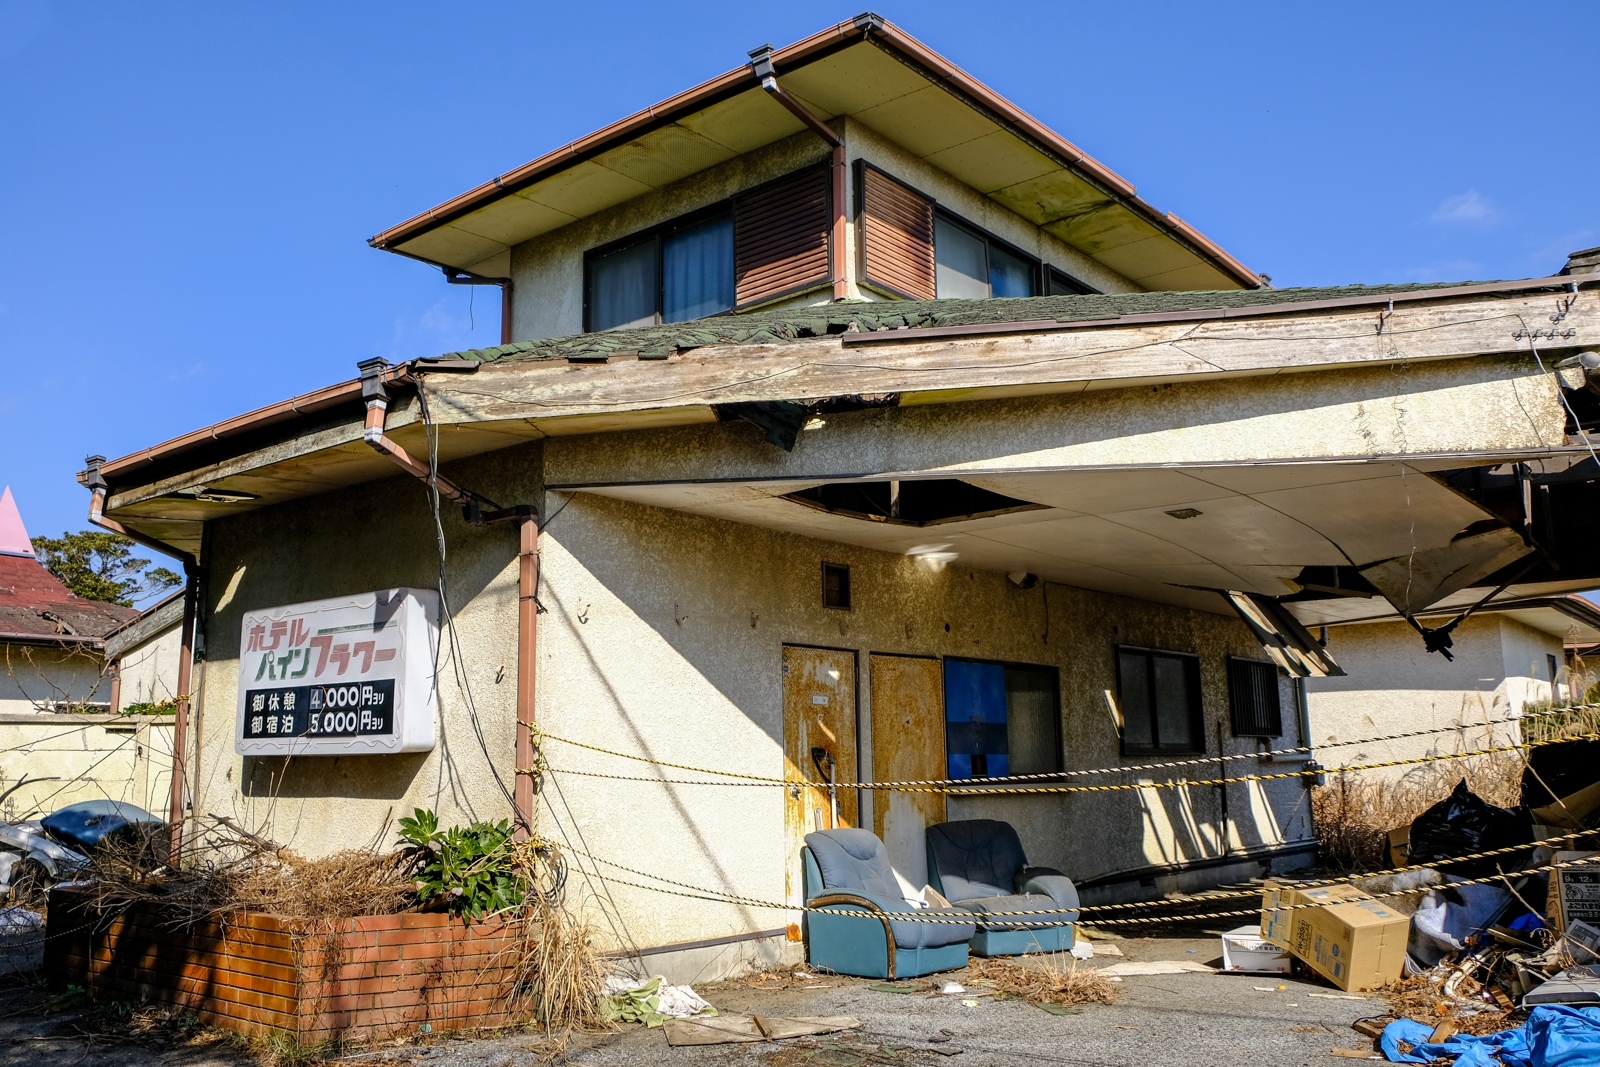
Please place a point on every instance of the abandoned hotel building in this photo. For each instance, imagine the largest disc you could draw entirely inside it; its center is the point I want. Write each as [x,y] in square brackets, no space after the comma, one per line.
[849,425]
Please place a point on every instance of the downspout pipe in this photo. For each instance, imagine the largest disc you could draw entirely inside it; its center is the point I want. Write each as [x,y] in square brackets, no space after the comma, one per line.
[463,277]
[527,647]
[180,725]
[376,395]
[761,64]
[98,488]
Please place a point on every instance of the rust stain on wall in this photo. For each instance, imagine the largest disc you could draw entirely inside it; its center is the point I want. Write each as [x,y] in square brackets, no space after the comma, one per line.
[907,744]
[819,711]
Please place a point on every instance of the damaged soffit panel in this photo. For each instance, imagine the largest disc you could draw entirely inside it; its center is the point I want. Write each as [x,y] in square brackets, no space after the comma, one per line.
[1169,535]
[879,76]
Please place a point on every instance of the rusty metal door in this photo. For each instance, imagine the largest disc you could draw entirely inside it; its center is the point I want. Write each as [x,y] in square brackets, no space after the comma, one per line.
[819,745]
[907,745]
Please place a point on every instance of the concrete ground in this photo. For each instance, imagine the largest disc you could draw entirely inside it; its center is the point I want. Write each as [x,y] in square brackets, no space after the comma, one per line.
[1175,1020]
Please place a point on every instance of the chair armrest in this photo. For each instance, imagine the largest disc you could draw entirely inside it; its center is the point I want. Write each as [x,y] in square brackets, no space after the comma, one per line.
[1024,873]
[861,900]
[1058,887]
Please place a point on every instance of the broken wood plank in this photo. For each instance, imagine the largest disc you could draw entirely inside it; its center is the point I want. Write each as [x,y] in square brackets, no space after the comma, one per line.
[732,1029]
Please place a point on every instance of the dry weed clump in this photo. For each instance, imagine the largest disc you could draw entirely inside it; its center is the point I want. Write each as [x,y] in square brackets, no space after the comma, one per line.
[1353,814]
[558,973]
[232,870]
[1057,979]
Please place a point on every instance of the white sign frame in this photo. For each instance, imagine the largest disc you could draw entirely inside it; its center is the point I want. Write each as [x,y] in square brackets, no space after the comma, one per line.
[347,676]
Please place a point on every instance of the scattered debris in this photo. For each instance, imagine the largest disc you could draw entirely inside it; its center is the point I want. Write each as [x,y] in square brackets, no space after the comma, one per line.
[651,1002]
[733,1029]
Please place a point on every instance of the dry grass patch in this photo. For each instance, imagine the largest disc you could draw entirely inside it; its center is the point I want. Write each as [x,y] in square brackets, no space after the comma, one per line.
[1056,978]
[1353,814]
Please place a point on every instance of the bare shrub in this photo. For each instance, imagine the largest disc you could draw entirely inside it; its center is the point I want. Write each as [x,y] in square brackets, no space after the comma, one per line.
[1055,978]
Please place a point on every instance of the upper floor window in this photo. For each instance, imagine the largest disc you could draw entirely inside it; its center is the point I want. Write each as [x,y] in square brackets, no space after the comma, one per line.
[677,273]
[969,263]
[769,242]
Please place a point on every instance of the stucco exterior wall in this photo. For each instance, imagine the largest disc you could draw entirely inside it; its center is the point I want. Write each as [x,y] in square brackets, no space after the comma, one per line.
[1393,685]
[664,638]
[35,678]
[378,536]
[150,670]
[662,635]
[69,758]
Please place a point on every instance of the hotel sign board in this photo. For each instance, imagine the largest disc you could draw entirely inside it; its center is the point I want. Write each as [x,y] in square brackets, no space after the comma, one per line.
[353,675]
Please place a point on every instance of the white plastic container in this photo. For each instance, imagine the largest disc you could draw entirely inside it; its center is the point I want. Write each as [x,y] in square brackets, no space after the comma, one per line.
[1245,951]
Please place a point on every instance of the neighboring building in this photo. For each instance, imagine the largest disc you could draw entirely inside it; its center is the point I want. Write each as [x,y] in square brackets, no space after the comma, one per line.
[876,539]
[1509,659]
[54,694]
[143,656]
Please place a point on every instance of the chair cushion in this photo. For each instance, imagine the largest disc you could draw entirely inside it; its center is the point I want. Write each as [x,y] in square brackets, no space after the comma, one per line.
[932,935]
[1017,902]
[853,859]
[975,857]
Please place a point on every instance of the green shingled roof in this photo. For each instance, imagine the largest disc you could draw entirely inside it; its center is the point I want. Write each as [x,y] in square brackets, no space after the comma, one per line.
[793,324]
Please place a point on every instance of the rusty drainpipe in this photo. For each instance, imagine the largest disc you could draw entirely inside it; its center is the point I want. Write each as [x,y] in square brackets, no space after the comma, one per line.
[376,395]
[527,647]
[761,63]
[191,603]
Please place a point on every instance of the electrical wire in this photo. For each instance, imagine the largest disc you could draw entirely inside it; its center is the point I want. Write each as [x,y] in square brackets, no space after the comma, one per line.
[452,638]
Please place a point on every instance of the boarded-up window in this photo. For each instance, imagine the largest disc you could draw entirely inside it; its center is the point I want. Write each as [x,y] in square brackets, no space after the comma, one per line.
[781,236]
[895,231]
[1253,698]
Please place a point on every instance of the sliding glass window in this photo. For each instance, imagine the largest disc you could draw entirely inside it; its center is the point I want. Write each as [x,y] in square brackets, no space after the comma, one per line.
[971,264]
[673,275]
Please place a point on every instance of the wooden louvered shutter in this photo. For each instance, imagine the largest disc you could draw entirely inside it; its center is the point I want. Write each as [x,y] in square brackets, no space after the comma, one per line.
[780,236]
[896,235]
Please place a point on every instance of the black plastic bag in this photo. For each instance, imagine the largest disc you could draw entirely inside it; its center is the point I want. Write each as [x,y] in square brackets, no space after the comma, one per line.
[1464,823]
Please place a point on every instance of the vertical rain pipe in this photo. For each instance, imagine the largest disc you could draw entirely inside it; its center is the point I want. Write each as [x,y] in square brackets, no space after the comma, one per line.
[527,647]
[505,312]
[180,725]
[761,65]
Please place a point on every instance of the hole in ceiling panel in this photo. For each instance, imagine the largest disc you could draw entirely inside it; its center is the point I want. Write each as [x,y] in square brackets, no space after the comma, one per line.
[906,503]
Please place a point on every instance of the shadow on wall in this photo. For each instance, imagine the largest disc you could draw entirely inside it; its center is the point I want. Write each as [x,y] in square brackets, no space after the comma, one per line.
[375,536]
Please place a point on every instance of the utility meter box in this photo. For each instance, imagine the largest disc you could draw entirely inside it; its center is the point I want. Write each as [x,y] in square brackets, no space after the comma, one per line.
[353,675]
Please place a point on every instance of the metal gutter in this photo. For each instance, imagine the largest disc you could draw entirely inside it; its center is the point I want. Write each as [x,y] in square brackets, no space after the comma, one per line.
[1251,311]
[14,638]
[867,26]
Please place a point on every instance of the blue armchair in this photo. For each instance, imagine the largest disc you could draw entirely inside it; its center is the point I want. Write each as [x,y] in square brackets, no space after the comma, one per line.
[849,870]
[979,865]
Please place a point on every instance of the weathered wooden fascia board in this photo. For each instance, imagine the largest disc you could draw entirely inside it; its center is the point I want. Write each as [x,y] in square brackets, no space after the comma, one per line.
[150,624]
[939,371]
[404,413]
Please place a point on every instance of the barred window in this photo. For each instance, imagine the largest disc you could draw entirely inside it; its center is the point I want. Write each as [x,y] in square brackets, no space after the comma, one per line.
[1253,698]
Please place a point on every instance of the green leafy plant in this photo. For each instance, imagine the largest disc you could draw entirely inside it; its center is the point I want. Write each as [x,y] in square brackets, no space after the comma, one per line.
[159,707]
[470,868]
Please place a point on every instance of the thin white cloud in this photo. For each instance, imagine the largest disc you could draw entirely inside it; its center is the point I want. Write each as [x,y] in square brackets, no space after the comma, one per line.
[1469,207]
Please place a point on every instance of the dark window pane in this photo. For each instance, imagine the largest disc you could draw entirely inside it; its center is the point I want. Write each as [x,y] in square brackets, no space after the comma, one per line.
[835,585]
[622,288]
[1033,721]
[1010,275]
[1062,284]
[1133,692]
[961,261]
[975,716]
[697,270]
[1172,704]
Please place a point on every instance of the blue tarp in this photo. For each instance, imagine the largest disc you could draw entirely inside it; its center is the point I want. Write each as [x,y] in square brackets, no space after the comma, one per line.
[1553,1036]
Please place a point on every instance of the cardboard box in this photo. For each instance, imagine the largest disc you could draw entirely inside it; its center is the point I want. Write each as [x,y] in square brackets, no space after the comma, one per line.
[1570,812]
[1574,892]
[1400,846]
[1244,951]
[1349,938]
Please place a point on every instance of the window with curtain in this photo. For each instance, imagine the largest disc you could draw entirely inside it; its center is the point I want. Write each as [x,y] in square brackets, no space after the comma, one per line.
[971,264]
[1158,694]
[1001,719]
[697,270]
[622,287]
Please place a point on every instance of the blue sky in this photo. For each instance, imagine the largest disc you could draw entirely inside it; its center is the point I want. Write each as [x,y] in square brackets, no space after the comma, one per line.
[187,188]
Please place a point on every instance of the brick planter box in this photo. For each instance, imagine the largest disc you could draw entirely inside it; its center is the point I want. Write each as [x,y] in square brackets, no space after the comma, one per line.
[359,979]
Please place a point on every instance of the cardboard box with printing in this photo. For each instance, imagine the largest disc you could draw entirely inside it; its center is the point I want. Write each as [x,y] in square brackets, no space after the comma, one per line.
[1351,939]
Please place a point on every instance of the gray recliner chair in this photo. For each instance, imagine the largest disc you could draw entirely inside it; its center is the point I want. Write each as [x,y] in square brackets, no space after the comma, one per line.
[848,870]
[979,865]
